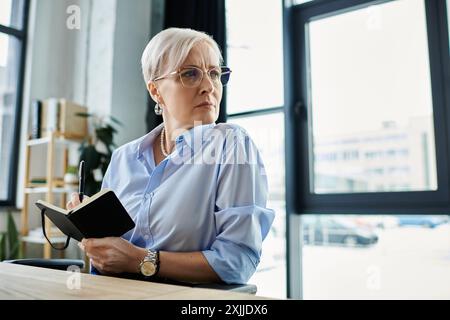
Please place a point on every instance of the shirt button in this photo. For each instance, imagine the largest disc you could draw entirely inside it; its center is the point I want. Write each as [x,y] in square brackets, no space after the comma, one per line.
[146,237]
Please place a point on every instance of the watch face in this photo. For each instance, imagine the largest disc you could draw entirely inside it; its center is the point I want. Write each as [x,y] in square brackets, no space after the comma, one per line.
[148,269]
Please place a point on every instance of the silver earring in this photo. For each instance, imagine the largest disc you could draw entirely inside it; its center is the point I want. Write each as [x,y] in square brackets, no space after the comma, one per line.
[158,109]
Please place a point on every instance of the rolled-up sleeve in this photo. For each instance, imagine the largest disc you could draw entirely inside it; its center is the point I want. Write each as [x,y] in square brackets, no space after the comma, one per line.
[242,220]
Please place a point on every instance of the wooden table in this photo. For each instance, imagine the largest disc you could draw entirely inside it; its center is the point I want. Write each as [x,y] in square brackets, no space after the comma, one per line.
[25,282]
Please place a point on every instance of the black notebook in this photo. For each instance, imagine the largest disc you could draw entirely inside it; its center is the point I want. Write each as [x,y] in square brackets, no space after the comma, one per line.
[100,216]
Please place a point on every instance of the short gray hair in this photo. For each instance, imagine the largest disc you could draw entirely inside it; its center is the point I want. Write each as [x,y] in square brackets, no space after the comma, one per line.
[169,49]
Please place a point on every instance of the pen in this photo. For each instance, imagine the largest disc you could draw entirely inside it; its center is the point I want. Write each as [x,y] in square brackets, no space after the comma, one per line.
[81,180]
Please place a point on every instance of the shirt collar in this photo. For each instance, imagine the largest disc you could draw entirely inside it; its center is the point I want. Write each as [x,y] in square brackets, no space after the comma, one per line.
[194,137]
[147,140]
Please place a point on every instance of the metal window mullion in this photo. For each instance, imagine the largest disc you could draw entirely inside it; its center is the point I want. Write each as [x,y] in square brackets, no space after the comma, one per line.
[258,112]
[12,32]
[21,36]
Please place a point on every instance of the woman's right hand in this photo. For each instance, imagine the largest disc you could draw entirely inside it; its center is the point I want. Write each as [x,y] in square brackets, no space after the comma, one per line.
[74,201]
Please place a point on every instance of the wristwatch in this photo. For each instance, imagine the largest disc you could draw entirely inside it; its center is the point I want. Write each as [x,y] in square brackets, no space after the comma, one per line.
[149,266]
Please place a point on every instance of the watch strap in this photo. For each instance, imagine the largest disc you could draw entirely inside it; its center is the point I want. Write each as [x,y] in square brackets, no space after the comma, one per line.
[153,257]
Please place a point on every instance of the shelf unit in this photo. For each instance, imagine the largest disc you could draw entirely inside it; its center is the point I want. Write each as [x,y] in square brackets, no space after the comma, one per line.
[52,186]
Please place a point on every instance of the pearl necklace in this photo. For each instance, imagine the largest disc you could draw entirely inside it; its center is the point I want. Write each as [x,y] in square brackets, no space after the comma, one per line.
[163,148]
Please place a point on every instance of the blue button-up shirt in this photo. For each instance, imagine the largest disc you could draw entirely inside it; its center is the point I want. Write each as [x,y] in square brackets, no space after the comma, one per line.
[208,195]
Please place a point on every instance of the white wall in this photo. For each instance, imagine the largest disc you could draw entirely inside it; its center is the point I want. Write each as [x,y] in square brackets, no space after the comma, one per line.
[100,55]
[56,66]
[129,95]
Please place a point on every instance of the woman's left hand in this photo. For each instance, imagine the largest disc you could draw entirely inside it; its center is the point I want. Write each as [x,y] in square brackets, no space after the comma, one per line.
[113,255]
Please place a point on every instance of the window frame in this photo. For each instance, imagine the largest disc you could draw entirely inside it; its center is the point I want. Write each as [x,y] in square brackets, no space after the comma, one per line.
[298,140]
[21,36]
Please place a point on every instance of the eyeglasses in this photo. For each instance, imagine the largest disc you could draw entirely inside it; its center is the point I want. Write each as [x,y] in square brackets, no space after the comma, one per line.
[191,77]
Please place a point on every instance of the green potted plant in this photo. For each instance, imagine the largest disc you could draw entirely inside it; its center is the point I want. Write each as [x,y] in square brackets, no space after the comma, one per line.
[97,152]
[71,175]
[9,241]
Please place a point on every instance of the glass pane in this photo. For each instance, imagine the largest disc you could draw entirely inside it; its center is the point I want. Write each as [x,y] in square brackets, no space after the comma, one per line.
[448,20]
[11,13]
[9,65]
[376,257]
[297,2]
[255,54]
[371,103]
[267,131]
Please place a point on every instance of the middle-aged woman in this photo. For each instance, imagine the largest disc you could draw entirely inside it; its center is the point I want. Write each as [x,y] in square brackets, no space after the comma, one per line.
[196,190]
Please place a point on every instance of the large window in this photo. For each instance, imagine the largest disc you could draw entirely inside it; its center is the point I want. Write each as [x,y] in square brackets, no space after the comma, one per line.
[371,95]
[255,99]
[12,47]
[376,257]
[370,135]
[371,104]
